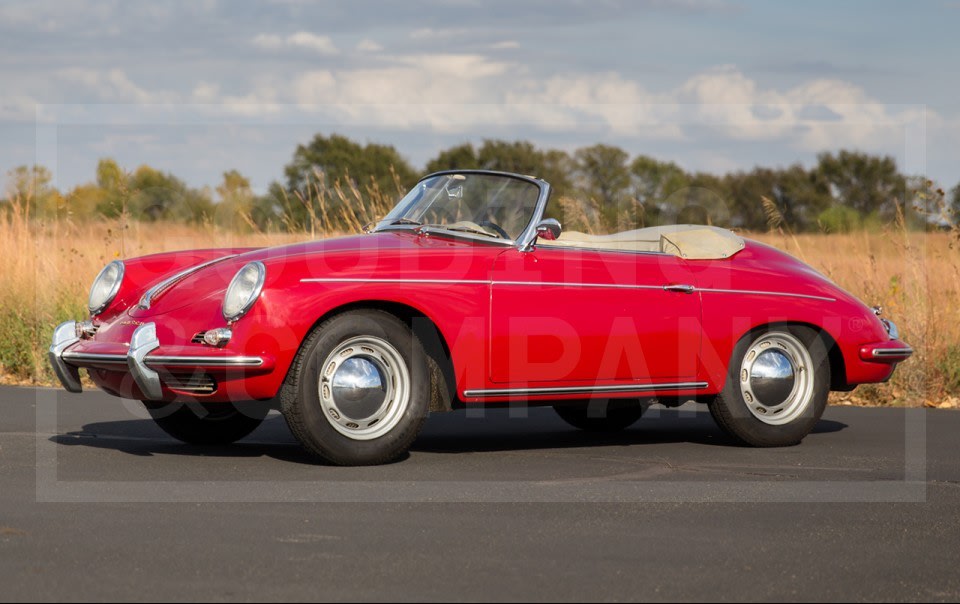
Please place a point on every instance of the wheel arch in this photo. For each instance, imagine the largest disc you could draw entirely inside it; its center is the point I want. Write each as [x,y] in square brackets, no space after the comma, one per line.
[427,331]
[838,369]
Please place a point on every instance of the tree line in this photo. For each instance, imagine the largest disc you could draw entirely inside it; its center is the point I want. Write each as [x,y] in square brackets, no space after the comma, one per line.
[334,183]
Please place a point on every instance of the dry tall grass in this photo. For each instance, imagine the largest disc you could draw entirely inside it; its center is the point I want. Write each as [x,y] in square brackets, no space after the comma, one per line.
[48,266]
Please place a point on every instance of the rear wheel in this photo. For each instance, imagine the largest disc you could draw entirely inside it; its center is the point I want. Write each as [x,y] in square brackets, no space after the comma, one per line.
[601,416]
[776,388]
[359,390]
[207,424]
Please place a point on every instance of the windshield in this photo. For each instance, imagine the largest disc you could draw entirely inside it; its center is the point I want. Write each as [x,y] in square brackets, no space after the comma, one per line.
[483,205]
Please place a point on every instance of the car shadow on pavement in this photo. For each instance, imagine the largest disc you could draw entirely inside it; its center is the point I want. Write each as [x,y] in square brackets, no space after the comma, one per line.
[540,428]
[490,430]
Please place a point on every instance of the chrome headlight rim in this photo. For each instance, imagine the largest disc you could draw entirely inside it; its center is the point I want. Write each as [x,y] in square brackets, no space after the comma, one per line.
[254,293]
[891,328]
[113,291]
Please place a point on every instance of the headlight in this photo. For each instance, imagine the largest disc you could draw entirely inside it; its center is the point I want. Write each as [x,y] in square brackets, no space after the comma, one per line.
[105,287]
[243,291]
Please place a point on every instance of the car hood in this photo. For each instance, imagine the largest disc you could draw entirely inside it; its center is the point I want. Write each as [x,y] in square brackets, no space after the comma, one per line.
[210,282]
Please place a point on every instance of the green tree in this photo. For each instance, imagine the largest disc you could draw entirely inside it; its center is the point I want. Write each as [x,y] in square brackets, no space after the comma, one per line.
[31,186]
[461,157]
[522,157]
[799,196]
[156,195]
[84,201]
[337,158]
[235,201]
[376,171]
[839,219]
[112,181]
[869,184]
[602,174]
[653,182]
[952,207]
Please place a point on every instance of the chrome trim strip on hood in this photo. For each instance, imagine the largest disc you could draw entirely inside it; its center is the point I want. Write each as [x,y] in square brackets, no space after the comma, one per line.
[147,298]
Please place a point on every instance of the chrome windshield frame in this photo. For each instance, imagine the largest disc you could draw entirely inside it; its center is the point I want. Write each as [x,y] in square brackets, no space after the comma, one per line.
[529,234]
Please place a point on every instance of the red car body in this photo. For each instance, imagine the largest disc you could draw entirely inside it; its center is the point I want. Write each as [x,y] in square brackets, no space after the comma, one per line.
[547,324]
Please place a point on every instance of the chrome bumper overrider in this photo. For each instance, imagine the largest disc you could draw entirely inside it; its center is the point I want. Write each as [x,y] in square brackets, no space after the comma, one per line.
[143,341]
[64,336]
[66,363]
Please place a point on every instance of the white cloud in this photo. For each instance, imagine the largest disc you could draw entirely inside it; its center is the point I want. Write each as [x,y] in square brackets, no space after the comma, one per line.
[473,96]
[268,41]
[505,45]
[469,93]
[299,40]
[114,86]
[367,45]
[18,108]
[321,44]
[426,33]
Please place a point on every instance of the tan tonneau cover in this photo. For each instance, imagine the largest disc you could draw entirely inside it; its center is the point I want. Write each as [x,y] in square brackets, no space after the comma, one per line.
[691,241]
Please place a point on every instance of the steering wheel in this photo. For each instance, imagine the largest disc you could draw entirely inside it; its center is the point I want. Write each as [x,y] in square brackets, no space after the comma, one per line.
[496,227]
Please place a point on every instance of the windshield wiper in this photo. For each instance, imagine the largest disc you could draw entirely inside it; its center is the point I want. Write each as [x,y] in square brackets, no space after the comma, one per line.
[397,222]
[406,221]
[462,229]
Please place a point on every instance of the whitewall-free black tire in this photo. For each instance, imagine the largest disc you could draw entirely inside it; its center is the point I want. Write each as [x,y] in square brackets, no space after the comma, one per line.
[776,388]
[359,390]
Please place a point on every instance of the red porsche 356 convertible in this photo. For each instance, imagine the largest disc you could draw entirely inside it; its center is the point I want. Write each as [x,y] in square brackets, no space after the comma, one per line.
[465,294]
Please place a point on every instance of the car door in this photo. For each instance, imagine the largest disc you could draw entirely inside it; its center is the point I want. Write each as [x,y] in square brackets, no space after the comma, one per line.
[584,315]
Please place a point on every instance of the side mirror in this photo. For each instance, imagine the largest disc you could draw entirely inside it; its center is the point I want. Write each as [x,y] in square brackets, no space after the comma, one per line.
[549,229]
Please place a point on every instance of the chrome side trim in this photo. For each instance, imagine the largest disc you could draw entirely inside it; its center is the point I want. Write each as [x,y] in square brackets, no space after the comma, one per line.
[142,342]
[563,284]
[880,353]
[584,389]
[87,357]
[418,281]
[684,288]
[168,361]
[147,298]
[65,336]
[479,282]
[765,293]
[79,358]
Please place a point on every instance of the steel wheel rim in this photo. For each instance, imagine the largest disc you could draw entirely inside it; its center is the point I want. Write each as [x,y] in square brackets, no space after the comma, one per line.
[348,387]
[769,394]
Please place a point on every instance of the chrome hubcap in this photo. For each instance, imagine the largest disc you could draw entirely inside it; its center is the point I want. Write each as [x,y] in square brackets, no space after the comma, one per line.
[776,378]
[364,387]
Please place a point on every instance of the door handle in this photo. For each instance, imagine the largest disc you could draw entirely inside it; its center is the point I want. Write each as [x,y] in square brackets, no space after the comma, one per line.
[682,288]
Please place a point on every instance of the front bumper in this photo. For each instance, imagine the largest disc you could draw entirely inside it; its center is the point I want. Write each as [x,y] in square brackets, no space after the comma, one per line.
[144,360]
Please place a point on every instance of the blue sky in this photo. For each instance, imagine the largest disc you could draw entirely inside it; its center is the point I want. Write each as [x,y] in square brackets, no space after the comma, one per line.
[200,87]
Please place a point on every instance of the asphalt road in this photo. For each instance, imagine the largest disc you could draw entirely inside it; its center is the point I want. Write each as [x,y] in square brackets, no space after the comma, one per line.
[96,503]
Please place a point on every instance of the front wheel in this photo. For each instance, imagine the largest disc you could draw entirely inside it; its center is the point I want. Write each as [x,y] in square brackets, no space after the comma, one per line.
[359,391]
[776,388]
[207,424]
